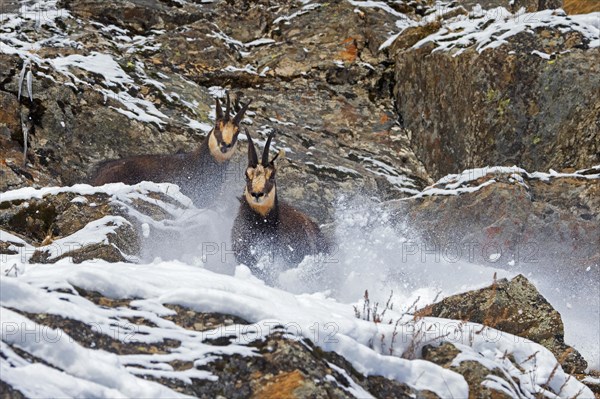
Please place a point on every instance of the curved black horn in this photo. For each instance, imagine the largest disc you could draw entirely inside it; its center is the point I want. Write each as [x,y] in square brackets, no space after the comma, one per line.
[252,156]
[228,108]
[265,155]
[238,117]
[219,110]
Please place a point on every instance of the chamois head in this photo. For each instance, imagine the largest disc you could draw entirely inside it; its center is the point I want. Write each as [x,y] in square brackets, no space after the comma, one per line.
[261,190]
[223,138]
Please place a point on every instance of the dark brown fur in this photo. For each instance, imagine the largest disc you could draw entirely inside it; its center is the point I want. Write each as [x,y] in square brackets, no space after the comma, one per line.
[198,174]
[283,231]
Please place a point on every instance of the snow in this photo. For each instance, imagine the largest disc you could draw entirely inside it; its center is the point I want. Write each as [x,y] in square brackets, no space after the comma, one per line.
[6,236]
[377,4]
[494,257]
[305,9]
[320,308]
[390,40]
[217,91]
[280,122]
[354,388]
[541,55]
[95,232]
[456,184]
[138,109]
[116,190]
[259,42]
[341,169]
[145,230]
[196,125]
[247,69]
[227,39]
[331,324]
[98,63]
[592,380]
[245,298]
[399,181]
[476,29]
[89,372]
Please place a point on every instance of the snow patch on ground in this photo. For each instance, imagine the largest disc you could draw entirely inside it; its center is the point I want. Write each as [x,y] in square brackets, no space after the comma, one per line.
[492,28]
[399,181]
[313,301]
[330,324]
[456,184]
[98,63]
[305,9]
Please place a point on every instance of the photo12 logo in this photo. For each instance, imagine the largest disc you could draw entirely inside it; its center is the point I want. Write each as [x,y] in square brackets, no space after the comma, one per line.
[224,253]
[27,331]
[470,251]
[36,11]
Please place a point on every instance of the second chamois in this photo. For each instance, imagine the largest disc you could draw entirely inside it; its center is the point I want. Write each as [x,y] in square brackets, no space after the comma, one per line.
[268,227]
[200,174]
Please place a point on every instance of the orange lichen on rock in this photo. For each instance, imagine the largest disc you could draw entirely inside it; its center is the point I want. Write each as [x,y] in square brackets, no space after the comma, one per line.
[283,386]
[351,51]
[581,6]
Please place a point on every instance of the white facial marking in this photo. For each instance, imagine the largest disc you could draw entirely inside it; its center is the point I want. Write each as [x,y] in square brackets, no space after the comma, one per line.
[262,205]
[228,131]
[215,149]
[259,179]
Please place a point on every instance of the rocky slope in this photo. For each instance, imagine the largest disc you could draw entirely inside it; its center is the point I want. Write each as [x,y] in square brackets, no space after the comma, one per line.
[203,334]
[137,77]
[113,223]
[513,217]
[531,101]
[371,100]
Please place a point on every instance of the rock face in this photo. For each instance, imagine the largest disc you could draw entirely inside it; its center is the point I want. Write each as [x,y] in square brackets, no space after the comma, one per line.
[500,106]
[281,366]
[358,114]
[44,222]
[84,227]
[474,372]
[323,59]
[503,218]
[374,121]
[515,307]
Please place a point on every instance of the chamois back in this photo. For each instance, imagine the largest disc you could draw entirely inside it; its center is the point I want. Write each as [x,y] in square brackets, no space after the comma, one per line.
[200,174]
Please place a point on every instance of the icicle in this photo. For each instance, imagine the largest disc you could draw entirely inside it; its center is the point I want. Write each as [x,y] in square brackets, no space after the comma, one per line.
[22,78]
[25,129]
[29,85]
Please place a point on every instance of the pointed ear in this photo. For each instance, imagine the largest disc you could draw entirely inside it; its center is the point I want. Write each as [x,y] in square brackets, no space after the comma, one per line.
[265,155]
[240,115]
[252,156]
[219,110]
[228,107]
[281,152]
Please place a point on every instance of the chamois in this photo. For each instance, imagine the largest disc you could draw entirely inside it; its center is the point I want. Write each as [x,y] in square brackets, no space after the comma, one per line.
[267,226]
[200,174]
